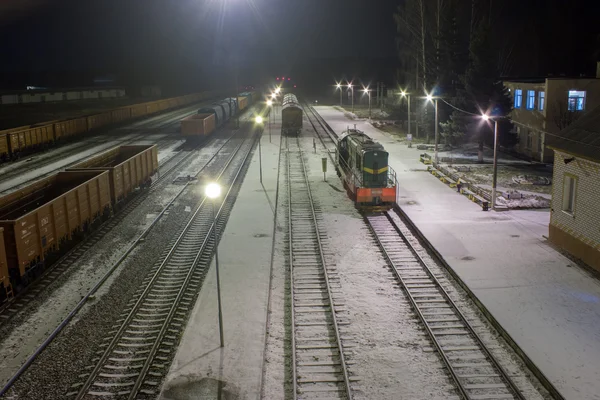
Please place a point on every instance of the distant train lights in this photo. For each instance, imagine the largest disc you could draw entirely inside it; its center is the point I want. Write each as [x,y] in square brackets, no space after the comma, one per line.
[259,119]
[213,191]
[269,103]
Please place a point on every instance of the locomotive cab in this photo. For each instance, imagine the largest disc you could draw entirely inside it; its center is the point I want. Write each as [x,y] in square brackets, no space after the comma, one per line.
[363,166]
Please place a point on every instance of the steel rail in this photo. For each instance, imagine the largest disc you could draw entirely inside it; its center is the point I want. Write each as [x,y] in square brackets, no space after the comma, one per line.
[96,287]
[510,385]
[325,274]
[134,309]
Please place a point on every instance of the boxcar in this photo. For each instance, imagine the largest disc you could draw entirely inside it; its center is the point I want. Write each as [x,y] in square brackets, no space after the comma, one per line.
[4,149]
[242,102]
[129,167]
[98,120]
[4,275]
[120,114]
[69,128]
[198,125]
[40,218]
[217,111]
[291,115]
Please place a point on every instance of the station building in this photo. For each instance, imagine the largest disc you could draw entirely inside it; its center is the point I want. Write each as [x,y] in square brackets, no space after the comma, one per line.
[543,107]
[575,214]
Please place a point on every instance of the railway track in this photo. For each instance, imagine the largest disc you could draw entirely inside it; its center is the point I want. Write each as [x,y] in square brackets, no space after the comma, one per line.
[475,371]
[318,364]
[136,357]
[167,171]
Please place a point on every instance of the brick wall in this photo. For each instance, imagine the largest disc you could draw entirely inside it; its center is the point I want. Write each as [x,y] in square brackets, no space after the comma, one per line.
[579,233]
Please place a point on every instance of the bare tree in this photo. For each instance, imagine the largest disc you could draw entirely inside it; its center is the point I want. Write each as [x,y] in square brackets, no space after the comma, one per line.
[564,117]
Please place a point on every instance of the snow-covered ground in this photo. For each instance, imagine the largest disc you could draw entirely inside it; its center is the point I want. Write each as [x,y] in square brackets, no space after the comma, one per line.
[244,264]
[47,311]
[545,302]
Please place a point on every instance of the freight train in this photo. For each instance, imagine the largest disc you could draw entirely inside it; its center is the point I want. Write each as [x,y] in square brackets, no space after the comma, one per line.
[291,115]
[363,166]
[214,116]
[39,222]
[16,141]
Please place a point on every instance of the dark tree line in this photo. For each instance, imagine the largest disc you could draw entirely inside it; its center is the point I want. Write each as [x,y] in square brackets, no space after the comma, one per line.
[451,48]
[461,49]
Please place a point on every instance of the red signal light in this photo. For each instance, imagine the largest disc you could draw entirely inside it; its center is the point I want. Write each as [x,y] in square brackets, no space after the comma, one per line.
[277,78]
[289,79]
[294,85]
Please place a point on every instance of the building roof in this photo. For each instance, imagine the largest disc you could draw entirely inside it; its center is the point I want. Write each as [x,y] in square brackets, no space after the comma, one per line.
[582,137]
[542,79]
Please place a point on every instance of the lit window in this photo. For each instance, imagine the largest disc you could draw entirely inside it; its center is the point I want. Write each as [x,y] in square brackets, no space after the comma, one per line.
[530,99]
[576,100]
[541,100]
[569,189]
[518,98]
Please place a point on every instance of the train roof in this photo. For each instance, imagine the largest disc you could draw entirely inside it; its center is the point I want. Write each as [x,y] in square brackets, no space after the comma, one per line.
[360,137]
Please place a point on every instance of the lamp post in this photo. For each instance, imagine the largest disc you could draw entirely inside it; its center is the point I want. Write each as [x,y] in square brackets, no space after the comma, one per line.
[434,99]
[351,87]
[213,191]
[368,91]
[495,173]
[339,86]
[270,105]
[259,122]
[407,95]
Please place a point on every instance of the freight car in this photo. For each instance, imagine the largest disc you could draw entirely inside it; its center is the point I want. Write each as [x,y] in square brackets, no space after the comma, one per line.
[129,167]
[16,141]
[43,218]
[363,166]
[198,125]
[291,115]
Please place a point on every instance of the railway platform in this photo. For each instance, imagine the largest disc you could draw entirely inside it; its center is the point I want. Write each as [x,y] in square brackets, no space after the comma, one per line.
[545,302]
[201,368]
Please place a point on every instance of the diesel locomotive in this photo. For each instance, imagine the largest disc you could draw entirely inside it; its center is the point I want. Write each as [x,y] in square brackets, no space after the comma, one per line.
[363,166]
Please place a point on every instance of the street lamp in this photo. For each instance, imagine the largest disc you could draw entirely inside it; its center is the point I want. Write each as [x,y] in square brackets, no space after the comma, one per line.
[269,104]
[213,191]
[486,117]
[367,91]
[434,99]
[404,94]
[259,122]
[339,86]
[351,87]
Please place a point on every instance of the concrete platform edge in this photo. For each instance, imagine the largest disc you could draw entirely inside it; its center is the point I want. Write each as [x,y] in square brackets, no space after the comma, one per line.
[504,333]
[274,233]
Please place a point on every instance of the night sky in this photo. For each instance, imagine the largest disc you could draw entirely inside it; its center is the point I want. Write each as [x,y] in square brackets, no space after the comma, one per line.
[177,40]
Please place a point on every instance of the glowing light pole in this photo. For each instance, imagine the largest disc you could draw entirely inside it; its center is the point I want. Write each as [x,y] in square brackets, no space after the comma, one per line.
[495,175]
[351,87]
[259,122]
[213,191]
[434,99]
[368,91]
[270,105]
[407,95]
[339,86]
